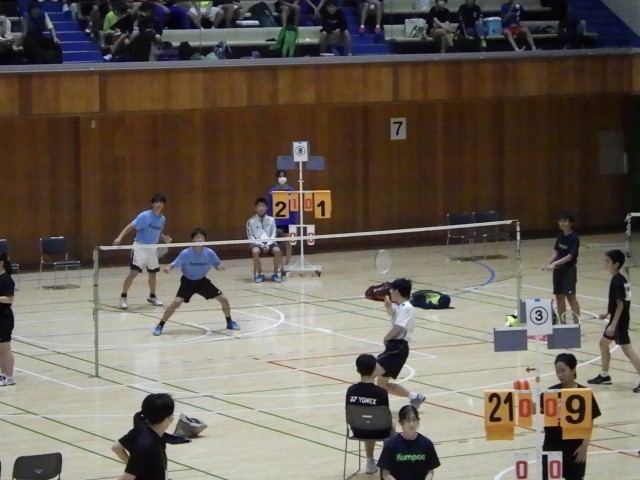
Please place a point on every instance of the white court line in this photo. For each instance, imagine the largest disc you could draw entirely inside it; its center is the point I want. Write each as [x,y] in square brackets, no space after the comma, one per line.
[199,339]
[50,379]
[331,332]
[608,452]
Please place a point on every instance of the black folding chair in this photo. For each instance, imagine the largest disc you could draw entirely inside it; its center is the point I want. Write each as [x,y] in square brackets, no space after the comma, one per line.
[38,467]
[53,253]
[362,418]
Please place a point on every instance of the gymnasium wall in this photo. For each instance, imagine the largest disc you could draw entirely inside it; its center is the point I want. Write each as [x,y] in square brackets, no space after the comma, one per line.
[84,151]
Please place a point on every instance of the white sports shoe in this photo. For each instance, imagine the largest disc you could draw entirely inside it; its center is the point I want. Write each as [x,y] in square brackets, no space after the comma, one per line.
[6,381]
[122,303]
[155,301]
[371,466]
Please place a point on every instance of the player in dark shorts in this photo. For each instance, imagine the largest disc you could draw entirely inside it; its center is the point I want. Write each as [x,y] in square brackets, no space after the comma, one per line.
[563,263]
[7,291]
[195,263]
[617,329]
[396,341]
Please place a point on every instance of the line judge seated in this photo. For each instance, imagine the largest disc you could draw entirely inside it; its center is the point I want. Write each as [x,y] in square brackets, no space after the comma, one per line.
[366,393]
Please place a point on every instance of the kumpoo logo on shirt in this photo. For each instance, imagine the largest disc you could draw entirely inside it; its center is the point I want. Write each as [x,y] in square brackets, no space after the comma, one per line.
[410,458]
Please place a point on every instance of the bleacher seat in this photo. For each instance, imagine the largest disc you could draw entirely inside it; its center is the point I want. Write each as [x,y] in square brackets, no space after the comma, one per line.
[237,36]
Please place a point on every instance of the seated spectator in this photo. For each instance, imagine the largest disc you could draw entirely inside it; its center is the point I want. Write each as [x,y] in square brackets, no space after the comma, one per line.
[109,34]
[366,393]
[122,35]
[471,24]
[289,11]
[37,47]
[334,28]
[92,15]
[438,26]
[6,38]
[312,12]
[368,7]
[205,15]
[511,13]
[260,228]
[176,18]
[232,11]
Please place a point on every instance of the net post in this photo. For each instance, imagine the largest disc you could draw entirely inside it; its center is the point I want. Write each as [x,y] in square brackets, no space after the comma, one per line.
[96,308]
[518,267]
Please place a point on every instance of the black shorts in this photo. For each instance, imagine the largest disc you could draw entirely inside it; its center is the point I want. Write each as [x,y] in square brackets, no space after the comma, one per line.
[621,335]
[6,324]
[204,287]
[393,358]
[570,469]
[564,280]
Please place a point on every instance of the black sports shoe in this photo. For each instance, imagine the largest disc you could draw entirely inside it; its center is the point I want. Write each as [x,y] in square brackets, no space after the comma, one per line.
[637,390]
[600,380]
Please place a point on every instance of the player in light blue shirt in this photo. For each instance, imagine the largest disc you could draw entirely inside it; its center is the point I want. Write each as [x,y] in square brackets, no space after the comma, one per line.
[148,226]
[195,262]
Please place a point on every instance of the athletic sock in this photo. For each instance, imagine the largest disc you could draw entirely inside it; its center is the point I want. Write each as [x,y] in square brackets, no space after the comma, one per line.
[123,295]
[152,295]
[161,324]
[413,395]
[604,374]
[228,319]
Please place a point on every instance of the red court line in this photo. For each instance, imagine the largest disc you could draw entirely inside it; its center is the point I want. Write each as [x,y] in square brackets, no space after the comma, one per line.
[309,372]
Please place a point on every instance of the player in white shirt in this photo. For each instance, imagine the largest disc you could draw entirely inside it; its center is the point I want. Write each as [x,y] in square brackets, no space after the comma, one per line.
[391,361]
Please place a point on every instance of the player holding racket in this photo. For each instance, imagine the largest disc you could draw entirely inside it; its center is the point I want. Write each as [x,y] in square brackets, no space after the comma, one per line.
[396,341]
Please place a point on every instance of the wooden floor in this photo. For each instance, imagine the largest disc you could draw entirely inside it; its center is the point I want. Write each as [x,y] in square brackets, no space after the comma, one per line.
[273,393]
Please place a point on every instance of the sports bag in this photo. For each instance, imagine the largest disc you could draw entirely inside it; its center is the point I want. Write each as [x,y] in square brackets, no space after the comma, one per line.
[263,14]
[430,299]
[378,292]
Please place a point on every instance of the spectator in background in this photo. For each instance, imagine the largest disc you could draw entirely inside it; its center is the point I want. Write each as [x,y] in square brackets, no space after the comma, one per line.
[511,14]
[109,33]
[289,11]
[438,26]
[368,7]
[176,18]
[7,43]
[37,47]
[93,14]
[334,29]
[205,15]
[471,24]
[313,8]
[282,224]
[232,11]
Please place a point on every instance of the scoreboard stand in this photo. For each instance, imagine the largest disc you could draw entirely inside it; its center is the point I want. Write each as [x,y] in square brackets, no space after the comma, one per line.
[318,201]
[569,408]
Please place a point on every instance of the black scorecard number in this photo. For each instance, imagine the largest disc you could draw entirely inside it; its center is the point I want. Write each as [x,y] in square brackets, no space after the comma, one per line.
[575,407]
[498,409]
[322,205]
[280,209]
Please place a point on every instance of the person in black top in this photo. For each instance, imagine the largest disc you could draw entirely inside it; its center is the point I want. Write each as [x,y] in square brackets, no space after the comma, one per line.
[7,290]
[563,264]
[408,455]
[334,27]
[143,448]
[438,26]
[471,24]
[618,312]
[574,451]
[367,393]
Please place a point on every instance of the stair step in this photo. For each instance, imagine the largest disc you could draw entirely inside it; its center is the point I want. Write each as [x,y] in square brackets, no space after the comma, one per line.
[72,36]
[82,56]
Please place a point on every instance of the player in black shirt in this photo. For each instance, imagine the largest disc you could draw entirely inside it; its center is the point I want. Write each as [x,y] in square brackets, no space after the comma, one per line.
[7,290]
[367,393]
[471,24]
[563,264]
[143,447]
[574,451]
[617,329]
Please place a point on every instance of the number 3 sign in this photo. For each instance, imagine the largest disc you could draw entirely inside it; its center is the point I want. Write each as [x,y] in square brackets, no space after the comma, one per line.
[539,315]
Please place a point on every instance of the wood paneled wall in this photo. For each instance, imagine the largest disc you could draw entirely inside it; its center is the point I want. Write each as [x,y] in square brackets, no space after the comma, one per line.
[89,166]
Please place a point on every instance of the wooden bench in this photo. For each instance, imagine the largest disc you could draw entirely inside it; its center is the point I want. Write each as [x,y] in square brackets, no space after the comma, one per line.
[257,36]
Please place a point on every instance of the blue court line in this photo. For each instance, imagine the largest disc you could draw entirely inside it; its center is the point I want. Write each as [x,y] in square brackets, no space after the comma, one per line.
[492,277]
